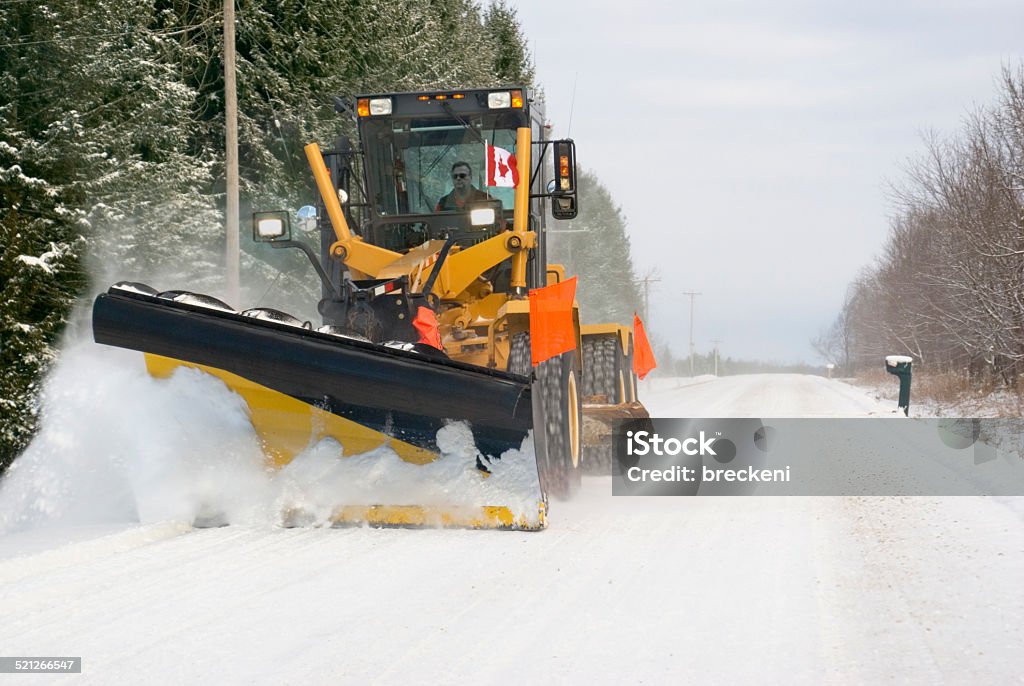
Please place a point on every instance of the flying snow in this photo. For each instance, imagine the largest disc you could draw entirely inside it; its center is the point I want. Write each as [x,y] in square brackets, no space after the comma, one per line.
[117,445]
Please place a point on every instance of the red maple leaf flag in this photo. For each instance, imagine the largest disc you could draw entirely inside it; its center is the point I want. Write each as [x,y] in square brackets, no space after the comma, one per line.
[501,167]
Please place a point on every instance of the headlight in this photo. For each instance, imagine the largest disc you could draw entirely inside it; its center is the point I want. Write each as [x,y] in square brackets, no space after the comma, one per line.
[268,227]
[380,106]
[499,99]
[482,217]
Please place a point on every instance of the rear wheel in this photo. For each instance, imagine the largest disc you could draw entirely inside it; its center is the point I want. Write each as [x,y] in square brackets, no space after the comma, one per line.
[600,385]
[600,369]
[607,375]
[557,417]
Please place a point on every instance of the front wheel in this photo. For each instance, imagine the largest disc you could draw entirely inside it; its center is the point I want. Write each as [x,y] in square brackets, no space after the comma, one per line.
[557,417]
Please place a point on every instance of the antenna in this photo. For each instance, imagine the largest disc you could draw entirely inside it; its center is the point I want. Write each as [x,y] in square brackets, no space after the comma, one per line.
[572,104]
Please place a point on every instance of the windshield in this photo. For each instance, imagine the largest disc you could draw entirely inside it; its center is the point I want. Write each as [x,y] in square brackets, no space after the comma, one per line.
[410,162]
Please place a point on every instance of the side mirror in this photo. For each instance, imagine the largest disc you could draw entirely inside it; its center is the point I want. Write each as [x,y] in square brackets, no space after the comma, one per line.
[271,227]
[307,218]
[563,198]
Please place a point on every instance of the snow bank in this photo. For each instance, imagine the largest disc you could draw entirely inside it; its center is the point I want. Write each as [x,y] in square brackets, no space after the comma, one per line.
[120,446]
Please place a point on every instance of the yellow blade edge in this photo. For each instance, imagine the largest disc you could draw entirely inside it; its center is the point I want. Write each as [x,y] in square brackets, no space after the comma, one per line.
[487,517]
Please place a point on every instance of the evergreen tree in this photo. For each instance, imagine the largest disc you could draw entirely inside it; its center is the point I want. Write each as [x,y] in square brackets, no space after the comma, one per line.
[112,137]
[512,63]
[596,247]
[40,215]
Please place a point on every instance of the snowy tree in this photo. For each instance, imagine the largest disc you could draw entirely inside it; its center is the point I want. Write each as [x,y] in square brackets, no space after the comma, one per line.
[596,246]
[948,288]
[41,218]
[512,62]
[112,139]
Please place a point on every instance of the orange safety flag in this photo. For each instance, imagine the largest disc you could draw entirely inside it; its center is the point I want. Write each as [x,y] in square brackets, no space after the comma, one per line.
[426,325]
[643,356]
[551,329]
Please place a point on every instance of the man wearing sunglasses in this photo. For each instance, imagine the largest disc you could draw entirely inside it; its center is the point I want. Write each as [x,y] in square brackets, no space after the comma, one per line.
[463,190]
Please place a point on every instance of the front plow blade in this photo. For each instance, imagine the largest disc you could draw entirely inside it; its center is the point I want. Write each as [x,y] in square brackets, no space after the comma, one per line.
[302,386]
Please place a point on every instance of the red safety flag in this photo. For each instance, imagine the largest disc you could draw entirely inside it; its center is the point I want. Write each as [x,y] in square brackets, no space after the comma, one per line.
[426,324]
[643,356]
[551,329]
[501,169]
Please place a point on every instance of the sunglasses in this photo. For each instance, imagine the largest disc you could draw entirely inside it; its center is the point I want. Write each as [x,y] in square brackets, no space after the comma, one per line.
[460,176]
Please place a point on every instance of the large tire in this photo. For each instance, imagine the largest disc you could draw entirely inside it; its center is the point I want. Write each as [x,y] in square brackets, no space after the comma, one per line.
[557,417]
[601,382]
[600,370]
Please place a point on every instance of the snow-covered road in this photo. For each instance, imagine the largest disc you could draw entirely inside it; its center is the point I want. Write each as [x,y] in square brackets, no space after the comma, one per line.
[794,590]
[760,395]
[685,590]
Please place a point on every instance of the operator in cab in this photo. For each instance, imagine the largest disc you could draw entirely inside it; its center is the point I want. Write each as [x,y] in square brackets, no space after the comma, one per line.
[463,190]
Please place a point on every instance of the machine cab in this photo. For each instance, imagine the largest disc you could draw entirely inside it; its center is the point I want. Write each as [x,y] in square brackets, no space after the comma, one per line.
[440,165]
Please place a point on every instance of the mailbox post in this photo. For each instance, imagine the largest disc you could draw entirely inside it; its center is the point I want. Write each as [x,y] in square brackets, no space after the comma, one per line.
[900,365]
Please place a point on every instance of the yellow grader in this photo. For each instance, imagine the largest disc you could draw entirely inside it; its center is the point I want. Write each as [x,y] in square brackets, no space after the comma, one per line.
[433,313]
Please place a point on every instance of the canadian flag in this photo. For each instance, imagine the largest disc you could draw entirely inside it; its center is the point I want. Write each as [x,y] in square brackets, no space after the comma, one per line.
[501,167]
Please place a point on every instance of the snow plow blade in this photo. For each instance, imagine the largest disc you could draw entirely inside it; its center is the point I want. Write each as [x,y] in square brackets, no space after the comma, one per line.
[303,385]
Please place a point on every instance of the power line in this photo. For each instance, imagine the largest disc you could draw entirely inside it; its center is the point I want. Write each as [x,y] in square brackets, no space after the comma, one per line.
[646,281]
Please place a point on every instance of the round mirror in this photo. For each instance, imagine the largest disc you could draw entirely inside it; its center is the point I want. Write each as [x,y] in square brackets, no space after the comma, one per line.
[551,186]
[342,196]
[307,218]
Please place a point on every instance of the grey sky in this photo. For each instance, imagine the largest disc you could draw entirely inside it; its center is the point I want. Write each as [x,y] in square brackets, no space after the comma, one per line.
[751,145]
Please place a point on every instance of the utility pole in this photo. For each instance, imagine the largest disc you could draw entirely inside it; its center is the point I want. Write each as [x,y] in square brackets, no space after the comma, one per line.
[647,281]
[568,244]
[692,295]
[232,248]
[716,342]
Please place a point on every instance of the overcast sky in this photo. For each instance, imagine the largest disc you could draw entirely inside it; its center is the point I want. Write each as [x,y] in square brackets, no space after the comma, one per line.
[751,145]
